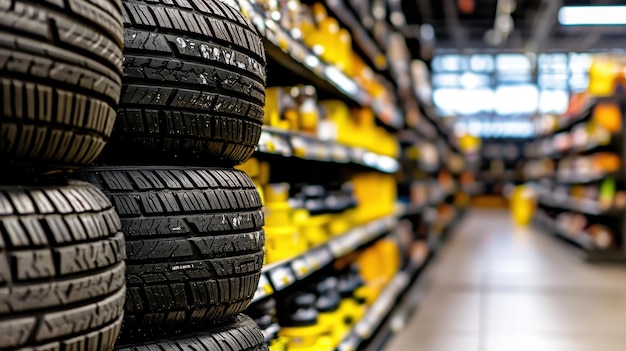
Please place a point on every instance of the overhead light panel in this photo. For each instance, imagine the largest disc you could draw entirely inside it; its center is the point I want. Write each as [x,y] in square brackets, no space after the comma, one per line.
[592,15]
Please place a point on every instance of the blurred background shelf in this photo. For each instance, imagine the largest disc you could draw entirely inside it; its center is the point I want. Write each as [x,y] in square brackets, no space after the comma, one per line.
[287,143]
[278,276]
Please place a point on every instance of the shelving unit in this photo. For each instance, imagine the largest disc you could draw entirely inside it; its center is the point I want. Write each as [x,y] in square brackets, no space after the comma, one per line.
[552,204]
[588,207]
[582,241]
[399,300]
[379,310]
[330,159]
[294,55]
[363,40]
[280,275]
[293,144]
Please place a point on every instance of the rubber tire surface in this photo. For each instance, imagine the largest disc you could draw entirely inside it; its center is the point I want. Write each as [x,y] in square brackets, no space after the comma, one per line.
[194,242]
[194,83]
[239,335]
[60,80]
[61,268]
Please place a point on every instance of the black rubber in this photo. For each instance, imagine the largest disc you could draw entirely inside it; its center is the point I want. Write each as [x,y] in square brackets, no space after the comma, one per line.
[61,268]
[60,80]
[239,335]
[194,242]
[194,84]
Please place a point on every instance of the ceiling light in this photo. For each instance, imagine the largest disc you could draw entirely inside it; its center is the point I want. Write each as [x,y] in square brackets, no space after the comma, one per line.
[592,15]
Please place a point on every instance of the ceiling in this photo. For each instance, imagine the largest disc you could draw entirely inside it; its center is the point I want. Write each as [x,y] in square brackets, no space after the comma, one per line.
[464,25]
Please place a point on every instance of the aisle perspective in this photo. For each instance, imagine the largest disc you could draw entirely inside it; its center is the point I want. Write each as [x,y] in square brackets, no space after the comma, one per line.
[580,184]
[356,197]
[167,185]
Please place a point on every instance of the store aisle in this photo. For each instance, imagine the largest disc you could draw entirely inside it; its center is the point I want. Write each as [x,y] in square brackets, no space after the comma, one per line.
[498,287]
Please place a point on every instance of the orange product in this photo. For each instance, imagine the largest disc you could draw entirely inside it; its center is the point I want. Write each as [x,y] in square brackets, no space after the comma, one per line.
[609,116]
[377,265]
[606,162]
[602,236]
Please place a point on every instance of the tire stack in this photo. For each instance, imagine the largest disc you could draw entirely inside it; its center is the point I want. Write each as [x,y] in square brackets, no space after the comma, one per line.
[191,108]
[62,283]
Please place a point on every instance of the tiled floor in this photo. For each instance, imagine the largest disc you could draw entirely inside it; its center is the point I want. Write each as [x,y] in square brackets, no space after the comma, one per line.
[499,287]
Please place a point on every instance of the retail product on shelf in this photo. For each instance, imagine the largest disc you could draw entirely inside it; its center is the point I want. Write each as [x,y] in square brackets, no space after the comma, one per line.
[603,236]
[606,75]
[307,218]
[323,55]
[62,267]
[60,89]
[320,316]
[283,237]
[376,194]
[297,109]
[377,265]
[575,168]
[194,87]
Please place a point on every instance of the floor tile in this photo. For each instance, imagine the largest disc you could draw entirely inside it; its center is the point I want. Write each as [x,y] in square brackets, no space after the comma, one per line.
[555,342]
[499,287]
[447,310]
[435,342]
[561,311]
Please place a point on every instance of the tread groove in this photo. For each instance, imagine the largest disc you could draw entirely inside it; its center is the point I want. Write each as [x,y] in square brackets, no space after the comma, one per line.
[194,84]
[193,256]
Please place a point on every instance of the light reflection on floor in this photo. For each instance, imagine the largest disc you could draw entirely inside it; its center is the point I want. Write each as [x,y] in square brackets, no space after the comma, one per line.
[498,287]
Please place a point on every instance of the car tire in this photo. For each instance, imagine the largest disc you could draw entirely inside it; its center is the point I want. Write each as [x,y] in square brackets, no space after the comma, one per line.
[239,335]
[194,84]
[61,268]
[60,81]
[194,242]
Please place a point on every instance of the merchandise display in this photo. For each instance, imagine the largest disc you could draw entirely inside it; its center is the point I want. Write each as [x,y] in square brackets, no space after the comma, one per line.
[328,165]
[238,334]
[281,175]
[59,89]
[194,244]
[63,265]
[216,175]
[194,97]
[575,166]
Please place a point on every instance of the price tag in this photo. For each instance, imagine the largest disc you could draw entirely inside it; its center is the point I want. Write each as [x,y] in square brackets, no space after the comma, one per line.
[263,289]
[321,152]
[264,142]
[299,146]
[270,331]
[281,277]
[324,256]
[349,344]
[337,246]
[284,40]
[298,51]
[282,146]
[300,267]
[270,34]
[340,153]
[357,237]
[357,155]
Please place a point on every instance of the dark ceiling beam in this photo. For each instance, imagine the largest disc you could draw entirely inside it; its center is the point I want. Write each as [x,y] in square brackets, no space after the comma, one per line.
[592,44]
[453,24]
[545,20]
[425,10]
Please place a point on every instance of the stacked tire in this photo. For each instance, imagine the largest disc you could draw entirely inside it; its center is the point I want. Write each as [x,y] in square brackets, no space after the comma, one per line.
[191,108]
[62,252]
